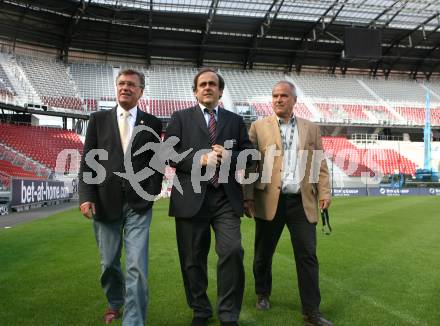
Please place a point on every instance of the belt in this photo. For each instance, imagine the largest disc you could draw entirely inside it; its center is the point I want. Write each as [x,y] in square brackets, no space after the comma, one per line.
[298,195]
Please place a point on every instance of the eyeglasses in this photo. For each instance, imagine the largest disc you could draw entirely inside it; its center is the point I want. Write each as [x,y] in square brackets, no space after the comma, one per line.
[129,84]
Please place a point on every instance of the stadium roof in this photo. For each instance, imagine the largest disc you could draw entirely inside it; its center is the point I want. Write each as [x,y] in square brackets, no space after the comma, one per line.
[287,33]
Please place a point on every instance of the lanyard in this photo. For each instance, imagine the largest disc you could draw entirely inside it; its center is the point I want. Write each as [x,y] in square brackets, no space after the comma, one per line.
[287,145]
[291,125]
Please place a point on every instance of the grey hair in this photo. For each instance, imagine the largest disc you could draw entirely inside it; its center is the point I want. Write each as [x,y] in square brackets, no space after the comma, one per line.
[125,72]
[288,83]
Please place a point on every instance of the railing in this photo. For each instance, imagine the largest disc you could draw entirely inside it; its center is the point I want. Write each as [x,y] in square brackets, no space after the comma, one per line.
[372,138]
[26,163]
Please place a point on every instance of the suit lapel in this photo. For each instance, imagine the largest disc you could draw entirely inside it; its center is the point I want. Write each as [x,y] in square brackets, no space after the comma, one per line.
[302,132]
[221,121]
[199,119]
[274,129]
[115,129]
[140,120]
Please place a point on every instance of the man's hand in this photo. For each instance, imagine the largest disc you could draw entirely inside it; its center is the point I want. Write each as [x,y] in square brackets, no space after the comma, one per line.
[324,203]
[215,157]
[88,209]
[249,209]
[222,153]
[210,159]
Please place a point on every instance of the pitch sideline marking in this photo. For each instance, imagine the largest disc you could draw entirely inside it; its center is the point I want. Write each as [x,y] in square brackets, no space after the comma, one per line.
[371,300]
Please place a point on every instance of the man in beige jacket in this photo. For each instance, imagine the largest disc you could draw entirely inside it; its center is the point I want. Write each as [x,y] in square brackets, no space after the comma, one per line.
[293,182]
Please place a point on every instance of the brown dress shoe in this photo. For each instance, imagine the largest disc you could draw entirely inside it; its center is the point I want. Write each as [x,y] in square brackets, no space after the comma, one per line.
[262,302]
[316,319]
[110,315]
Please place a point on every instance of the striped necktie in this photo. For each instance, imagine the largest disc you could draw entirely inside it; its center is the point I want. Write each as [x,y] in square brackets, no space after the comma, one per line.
[212,130]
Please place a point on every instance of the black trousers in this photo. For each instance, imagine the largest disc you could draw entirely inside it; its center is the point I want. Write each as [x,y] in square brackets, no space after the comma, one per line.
[193,241]
[290,212]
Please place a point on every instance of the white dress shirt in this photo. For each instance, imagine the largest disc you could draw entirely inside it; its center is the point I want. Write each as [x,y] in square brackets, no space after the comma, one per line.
[206,115]
[131,118]
[290,183]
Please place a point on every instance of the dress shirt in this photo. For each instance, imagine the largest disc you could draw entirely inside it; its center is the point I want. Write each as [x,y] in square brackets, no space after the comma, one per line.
[290,183]
[206,114]
[131,118]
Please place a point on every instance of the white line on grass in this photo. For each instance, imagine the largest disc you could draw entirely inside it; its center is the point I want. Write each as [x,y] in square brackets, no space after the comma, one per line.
[371,300]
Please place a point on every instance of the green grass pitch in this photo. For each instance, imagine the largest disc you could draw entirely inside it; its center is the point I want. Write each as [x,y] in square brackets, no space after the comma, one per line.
[381,266]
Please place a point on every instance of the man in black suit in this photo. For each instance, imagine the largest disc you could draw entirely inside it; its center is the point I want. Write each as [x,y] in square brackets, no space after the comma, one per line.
[120,213]
[214,137]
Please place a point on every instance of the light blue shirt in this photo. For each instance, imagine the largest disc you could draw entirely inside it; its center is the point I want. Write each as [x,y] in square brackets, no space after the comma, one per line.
[206,114]
[290,183]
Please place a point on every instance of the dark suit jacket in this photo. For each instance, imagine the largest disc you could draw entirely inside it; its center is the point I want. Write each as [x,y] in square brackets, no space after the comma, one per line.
[103,133]
[190,127]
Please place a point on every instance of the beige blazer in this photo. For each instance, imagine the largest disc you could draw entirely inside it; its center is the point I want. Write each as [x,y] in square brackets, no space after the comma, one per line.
[265,135]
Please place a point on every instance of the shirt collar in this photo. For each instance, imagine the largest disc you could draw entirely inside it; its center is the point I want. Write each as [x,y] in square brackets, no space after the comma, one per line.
[282,122]
[202,107]
[133,111]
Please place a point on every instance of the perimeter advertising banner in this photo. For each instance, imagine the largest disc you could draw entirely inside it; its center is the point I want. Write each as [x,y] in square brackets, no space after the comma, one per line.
[385,191]
[28,192]
[404,192]
[434,191]
[349,192]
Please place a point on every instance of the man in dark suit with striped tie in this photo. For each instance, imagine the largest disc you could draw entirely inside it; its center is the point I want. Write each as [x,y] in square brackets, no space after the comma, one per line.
[215,138]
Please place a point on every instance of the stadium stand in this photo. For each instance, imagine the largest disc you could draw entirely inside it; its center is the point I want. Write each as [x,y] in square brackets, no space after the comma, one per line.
[42,144]
[253,89]
[416,115]
[51,81]
[5,84]
[170,89]
[434,88]
[7,92]
[23,90]
[345,155]
[395,91]
[14,164]
[332,88]
[354,160]
[251,86]
[323,98]
[9,169]
[94,82]
[348,100]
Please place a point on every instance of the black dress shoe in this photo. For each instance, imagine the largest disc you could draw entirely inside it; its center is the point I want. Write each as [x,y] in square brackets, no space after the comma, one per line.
[316,319]
[199,321]
[262,302]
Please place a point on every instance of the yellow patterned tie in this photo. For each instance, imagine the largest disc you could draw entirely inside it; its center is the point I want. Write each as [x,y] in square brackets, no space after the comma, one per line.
[124,130]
